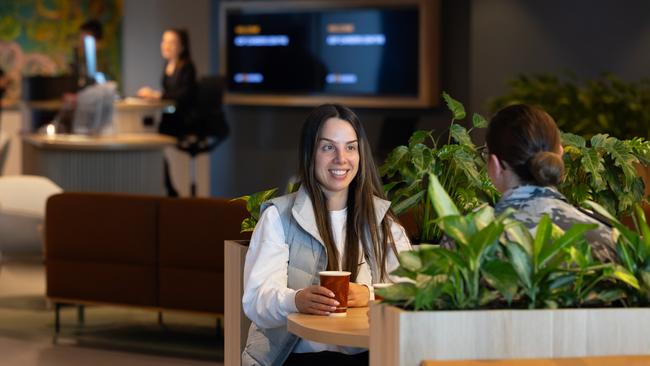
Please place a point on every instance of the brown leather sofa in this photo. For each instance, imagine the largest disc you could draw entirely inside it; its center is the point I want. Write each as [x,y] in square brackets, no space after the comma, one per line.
[150,252]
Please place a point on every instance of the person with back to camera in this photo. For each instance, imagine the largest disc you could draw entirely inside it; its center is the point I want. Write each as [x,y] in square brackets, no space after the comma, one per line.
[338,219]
[525,164]
[178,84]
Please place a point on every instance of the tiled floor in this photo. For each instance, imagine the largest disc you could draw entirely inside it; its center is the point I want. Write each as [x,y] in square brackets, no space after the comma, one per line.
[110,336]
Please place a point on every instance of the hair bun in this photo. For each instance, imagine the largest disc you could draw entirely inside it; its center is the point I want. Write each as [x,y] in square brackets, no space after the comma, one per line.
[547,168]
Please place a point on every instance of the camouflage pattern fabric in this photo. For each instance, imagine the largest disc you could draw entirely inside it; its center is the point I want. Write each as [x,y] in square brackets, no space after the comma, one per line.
[532,202]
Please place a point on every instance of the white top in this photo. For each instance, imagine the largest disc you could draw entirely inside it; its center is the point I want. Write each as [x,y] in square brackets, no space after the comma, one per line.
[267,300]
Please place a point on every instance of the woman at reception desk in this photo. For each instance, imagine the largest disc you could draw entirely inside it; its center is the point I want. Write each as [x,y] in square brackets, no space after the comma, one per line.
[179,85]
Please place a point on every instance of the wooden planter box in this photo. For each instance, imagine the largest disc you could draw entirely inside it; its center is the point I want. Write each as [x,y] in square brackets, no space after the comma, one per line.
[399,337]
[236,323]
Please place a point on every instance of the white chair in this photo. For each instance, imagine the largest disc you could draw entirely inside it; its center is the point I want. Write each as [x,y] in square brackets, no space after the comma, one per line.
[22,212]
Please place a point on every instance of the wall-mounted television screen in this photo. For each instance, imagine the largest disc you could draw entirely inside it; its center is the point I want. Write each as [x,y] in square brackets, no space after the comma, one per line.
[361,53]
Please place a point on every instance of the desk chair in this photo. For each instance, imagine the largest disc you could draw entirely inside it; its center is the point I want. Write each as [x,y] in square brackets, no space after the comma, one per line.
[206,128]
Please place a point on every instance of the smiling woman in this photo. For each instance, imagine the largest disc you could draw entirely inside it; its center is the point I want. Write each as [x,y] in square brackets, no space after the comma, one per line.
[336,161]
[338,220]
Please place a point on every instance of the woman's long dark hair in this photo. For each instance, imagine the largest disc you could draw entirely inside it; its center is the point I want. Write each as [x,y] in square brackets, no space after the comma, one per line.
[184,41]
[528,140]
[361,219]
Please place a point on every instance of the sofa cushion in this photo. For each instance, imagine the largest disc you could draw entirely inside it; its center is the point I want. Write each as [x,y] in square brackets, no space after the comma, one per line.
[192,231]
[94,227]
[102,282]
[188,289]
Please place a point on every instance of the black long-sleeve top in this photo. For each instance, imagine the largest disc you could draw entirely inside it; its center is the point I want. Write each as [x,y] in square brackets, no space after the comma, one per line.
[181,88]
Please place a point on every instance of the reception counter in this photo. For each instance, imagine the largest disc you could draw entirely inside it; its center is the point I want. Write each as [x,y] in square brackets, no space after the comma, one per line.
[129,113]
[124,163]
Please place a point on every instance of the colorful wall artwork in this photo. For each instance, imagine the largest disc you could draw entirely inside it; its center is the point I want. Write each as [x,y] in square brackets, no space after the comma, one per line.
[38,37]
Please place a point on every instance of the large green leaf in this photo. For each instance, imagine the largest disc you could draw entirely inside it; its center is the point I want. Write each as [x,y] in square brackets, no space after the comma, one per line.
[575,233]
[398,292]
[642,223]
[388,187]
[465,163]
[517,232]
[418,157]
[410,189]
[457,227]
[410,260]
[573,140]
[502,277]
[456,108]
[425,298]
[456,259]
[483,217]
[542,237]
[418,137]
[630,236]
[479,121]
[408,203]
[247,225]
[625,276]
[394,160]
[441,201]
[592,163]
[460,135]
[253,203]
[521,263]
[562,281]
[433,263]
[599,140]
[645,277]
[482,240]
[624,159]
[405,273]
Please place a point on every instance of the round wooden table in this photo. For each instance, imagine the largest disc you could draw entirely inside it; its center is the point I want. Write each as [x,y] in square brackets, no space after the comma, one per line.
[352,330]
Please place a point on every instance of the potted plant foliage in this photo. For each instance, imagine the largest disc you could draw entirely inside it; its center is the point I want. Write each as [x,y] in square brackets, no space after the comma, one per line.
[585,108]
[457,161]
[603,169]
[503,293]
[588,108]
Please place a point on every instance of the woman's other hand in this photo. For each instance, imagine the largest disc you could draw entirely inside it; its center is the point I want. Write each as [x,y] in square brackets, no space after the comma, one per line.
[316,300]
[358,295]
[148,93]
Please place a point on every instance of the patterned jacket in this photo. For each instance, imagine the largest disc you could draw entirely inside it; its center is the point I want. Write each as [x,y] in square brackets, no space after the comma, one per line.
[532,202]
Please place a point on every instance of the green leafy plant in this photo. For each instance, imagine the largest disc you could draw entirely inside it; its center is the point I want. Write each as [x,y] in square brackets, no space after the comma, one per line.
[458,162]
[253,203]
[633,251]
[585,108]
[498,263]
[603,170]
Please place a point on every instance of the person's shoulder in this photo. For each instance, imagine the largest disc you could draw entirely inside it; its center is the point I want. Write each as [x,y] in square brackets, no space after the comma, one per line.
[280,202]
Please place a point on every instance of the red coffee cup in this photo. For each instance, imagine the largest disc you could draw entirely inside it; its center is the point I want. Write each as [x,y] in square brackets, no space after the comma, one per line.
[339,283]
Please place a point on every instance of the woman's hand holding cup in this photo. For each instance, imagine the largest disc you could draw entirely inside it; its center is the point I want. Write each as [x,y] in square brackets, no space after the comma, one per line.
[316,300]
